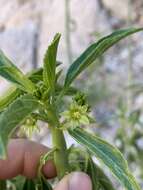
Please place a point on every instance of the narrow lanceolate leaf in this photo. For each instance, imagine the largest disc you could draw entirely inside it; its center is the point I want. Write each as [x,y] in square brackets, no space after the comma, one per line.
[99,179]
[49,72]
[95,51]
[13,116]
[35,75]
[108,154]
[11,95]
[11,73]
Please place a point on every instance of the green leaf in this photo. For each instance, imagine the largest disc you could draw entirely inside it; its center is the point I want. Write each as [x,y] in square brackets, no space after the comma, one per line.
[7,98]
[58,63]
[13,116]
[18,182]
[49,72]
[99,179]
[80,160]
[36,75]
[44,158]
[58,74]
[42,184]
[37,184]
[45,184]
[29,185]
[11,95]
[10,72]
[2,184]
[70,92]
[108,154]
[94,52]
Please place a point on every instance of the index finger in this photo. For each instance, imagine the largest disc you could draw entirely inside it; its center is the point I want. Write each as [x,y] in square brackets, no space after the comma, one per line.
[23,159]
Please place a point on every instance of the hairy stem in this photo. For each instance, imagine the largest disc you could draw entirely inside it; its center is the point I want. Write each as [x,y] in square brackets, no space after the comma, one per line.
[60,155]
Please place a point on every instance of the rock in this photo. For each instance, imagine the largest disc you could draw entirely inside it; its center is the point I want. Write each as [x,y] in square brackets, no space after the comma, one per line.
[118,8]
[16,15]
[18,44]
[125,9]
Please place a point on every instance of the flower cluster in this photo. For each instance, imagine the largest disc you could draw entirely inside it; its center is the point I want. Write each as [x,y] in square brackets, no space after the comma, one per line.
[29,127]
[78,112]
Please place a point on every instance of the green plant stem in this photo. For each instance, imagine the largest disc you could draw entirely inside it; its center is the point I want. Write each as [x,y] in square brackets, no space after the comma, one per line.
[60,155]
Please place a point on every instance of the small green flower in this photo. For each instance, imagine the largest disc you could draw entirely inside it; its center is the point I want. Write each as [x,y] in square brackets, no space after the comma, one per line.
[29,127]
[76,115]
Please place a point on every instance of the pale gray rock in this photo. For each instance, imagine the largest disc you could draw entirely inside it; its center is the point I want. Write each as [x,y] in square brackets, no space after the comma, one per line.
[18,44]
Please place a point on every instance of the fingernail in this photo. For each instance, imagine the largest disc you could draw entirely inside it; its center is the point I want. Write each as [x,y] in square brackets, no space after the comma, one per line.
[79,180]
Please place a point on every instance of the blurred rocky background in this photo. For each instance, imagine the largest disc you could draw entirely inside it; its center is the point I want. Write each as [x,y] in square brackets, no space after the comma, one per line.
[114,84]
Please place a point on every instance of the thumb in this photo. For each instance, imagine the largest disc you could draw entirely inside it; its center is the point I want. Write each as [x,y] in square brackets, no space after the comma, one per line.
[75,181]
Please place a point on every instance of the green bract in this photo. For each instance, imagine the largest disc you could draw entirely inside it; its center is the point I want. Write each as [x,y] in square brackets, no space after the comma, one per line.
[39,95]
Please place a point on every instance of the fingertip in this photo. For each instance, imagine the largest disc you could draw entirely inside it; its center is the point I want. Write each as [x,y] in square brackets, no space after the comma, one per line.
[74,181]
[79,179]
[23,159]
[49,169]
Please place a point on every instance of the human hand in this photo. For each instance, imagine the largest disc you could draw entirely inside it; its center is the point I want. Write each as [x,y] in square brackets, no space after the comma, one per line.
[23,159]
